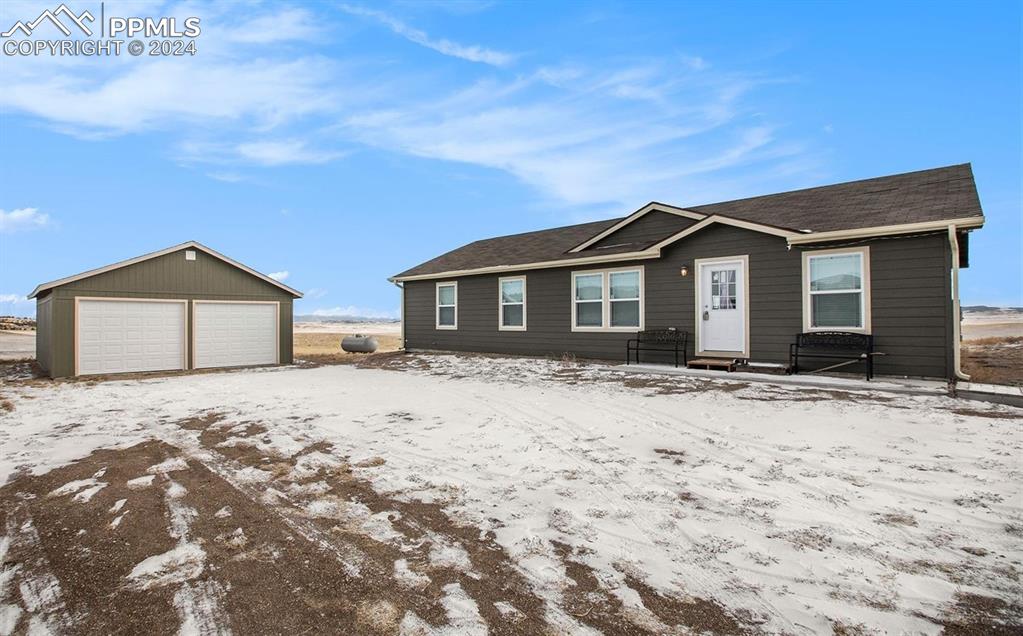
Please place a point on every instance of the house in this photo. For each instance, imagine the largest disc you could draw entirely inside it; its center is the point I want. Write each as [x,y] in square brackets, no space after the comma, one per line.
[878,256]
[184,307]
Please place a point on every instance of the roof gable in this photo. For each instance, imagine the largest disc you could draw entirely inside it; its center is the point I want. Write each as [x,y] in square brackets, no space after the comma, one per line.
[642,215]
[146,257]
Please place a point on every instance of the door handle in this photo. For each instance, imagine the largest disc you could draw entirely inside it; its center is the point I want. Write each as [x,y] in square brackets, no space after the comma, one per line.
[706,315]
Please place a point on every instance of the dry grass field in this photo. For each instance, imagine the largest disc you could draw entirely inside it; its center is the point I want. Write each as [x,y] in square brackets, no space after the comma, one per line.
[997,360]
[325,348]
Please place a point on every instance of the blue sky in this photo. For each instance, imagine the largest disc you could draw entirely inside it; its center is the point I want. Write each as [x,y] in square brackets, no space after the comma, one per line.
[341,143]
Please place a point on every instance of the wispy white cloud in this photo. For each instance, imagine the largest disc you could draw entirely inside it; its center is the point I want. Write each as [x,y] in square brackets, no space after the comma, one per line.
[265,93]
[14,299]
[471,53]
[289,24]
[315,293]
[23,219]
[275,153]
[226,177]
[593,138]
[590,138]
[352,311]
[280,276]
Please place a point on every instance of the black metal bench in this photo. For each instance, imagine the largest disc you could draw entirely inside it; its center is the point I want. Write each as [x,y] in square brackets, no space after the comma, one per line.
[836,345]
[670,339]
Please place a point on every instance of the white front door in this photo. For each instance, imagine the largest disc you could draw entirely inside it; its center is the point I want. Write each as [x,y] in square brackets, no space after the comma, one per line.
[235,334]
[121,336]
[721,307]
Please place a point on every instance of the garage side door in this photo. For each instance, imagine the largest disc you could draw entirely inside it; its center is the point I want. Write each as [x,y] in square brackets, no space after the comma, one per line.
[235,334]
[120,336]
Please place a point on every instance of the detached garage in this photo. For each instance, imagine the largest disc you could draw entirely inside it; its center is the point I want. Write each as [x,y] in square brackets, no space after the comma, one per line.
[185,307]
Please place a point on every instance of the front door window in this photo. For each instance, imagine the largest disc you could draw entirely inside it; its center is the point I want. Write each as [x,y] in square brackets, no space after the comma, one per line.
[722,289]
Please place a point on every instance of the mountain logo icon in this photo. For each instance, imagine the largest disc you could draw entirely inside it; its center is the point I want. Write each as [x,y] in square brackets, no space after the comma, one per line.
[54,18]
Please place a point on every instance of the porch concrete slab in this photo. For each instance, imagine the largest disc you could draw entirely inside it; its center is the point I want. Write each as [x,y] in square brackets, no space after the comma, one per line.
[1001,389]
[997,393]
[910,386]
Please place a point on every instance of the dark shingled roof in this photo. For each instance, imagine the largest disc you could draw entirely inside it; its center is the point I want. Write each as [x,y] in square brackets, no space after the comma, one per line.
[914,197]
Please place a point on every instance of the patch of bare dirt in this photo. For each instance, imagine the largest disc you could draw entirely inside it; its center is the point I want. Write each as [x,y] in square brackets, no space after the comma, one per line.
[988,413]
[994,360]
[487,575]
[676,456]
[591,603]
[306,533]
[20,371]
[974,615]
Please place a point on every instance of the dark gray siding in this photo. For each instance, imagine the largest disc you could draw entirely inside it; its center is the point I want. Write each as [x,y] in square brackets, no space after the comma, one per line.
[651,227]
[910,303]
[167,276]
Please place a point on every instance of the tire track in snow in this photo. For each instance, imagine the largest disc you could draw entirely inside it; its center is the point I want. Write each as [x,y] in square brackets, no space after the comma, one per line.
[40,591]
[349,556]
[611,482]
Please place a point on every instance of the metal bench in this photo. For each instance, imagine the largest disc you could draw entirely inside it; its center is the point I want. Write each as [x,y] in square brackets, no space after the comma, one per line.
[848,347]
[669,339]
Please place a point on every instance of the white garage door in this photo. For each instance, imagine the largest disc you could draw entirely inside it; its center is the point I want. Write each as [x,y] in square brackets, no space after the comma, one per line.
[235,334]
[119,336]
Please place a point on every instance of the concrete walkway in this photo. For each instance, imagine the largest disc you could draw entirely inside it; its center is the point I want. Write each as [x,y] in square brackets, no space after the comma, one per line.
[998,393]
[909,386]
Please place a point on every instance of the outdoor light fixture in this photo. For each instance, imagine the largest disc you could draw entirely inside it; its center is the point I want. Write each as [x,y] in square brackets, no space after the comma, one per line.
[684,271]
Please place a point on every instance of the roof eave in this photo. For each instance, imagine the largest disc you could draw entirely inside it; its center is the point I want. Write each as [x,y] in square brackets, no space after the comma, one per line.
[886,230]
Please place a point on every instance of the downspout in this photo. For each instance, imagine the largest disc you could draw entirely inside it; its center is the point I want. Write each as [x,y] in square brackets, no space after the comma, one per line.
[401,314]
[953,242]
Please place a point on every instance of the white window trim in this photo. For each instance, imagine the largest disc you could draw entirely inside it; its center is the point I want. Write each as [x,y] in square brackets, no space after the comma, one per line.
[501,304]
[437,305]
[606,300]
[865,309]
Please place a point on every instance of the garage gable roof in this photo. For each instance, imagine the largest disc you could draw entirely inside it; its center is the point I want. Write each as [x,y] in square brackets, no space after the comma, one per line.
[145,257]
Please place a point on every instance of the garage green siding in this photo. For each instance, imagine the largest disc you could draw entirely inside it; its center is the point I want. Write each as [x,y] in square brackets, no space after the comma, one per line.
[910,298]
[169,276]
[44,322]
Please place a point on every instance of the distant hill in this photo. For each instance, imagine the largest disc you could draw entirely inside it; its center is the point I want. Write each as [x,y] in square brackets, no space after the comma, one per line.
[17,323]
[346,320]
[985,309]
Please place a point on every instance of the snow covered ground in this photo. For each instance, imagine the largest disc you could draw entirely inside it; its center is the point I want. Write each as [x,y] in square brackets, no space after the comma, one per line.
[797,510]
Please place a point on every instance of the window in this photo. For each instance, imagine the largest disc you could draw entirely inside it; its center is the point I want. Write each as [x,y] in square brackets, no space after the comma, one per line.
[447,305]
[589,300]
[624,297]
[512,304]
[837,290]
[722,289]
[607,300]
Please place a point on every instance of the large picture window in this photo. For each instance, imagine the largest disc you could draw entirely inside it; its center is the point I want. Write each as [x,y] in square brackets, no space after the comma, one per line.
[512,304]
[837,290]
[607,300]
[447,305]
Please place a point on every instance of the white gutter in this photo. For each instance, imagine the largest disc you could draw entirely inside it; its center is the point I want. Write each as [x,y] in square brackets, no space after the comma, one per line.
[953,242]
[885,230]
